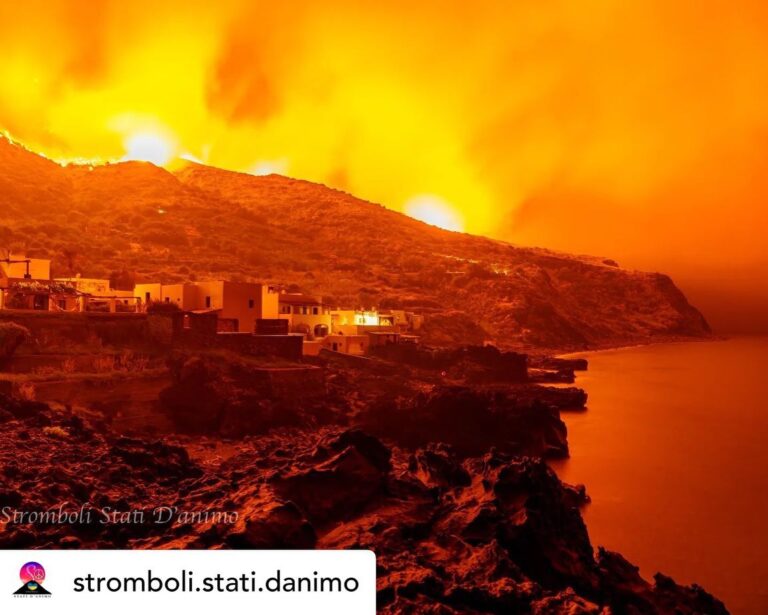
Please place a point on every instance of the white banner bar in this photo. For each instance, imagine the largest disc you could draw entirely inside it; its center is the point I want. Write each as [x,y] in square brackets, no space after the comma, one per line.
[130,582]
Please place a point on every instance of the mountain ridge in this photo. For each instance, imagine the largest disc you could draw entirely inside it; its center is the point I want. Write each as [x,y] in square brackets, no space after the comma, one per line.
[135,220]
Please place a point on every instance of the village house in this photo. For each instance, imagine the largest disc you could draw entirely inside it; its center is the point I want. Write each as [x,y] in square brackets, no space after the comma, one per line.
[239,304]
[22,268]
[93,286]
[209,307]
[356,322]
[405,321]
[348,344]
[99,296]
[305,314]
[383,338]
[25,283]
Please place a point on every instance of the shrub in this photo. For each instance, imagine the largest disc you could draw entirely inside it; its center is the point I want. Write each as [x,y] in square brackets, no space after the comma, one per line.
[161,307]
[122,280]
[11,337]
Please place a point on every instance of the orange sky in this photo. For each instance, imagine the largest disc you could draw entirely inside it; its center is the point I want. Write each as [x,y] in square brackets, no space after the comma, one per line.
[636,132]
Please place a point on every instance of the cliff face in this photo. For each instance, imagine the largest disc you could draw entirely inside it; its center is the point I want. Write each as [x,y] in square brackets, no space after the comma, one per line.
[206,222]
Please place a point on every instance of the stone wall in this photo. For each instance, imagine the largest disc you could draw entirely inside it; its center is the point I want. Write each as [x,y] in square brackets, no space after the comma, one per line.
[51,331]
[283,346]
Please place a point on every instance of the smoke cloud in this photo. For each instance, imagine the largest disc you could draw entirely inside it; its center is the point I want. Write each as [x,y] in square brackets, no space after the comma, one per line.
[633,130]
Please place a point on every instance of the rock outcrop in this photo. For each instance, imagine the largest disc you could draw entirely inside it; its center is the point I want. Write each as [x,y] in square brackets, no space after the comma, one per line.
[471,421]
[491,533]
[234,396]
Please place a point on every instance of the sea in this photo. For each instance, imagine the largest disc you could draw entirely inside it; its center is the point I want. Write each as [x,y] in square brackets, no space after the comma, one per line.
[673,450]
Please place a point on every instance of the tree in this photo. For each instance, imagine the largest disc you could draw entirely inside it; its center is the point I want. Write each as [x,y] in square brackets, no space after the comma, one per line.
[71,258]
[122,280]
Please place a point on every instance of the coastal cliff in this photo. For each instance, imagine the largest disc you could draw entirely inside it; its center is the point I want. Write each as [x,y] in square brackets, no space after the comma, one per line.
[491,533]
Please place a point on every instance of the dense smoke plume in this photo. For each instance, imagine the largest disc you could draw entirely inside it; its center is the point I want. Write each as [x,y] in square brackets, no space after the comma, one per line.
[634,130]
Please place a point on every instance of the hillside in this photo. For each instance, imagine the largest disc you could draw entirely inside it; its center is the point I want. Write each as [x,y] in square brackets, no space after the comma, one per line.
[135,220]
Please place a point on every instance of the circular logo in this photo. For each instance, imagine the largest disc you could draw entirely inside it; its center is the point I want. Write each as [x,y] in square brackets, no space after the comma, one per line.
[32,572]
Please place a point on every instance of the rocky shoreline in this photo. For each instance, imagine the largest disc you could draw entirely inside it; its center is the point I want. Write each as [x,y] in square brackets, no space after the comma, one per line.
[446,481]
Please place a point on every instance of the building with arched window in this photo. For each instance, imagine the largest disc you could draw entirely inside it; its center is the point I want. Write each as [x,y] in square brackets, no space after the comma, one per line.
[305,314]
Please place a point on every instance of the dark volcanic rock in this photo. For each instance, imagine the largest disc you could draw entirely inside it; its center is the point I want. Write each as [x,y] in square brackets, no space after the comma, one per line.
[473,364]
[274,525]
[623,585]
[559,363]
[492,533]
[349,473]
[166,461]
[566,602]
[540,524]
[562,398]
[471,421]
[438,466]
[235,396]
[52,460]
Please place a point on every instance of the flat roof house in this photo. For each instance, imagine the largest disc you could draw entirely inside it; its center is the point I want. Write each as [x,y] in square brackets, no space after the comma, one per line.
[359,322]
[25,284]
[241,303]
[305,314]
[99,296]
[20,267]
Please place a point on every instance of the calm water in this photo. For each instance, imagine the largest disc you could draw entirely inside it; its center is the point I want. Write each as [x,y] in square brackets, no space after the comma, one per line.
[673,450]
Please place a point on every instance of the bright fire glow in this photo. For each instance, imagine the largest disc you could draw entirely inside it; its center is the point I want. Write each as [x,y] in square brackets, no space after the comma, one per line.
[435,211]
[149,148]
[268,167]
[368,318]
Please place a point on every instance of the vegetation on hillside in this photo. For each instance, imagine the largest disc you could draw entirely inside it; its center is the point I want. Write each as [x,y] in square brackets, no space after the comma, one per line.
[135,221]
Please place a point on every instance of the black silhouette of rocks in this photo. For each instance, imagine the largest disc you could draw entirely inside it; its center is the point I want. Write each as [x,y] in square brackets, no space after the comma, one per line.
[472,364]
[235,396]
[453,533]
[471,421]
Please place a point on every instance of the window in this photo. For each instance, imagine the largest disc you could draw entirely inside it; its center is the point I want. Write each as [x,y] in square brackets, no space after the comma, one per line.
[315,311]
[147,297]
[207,302]
[251,303]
